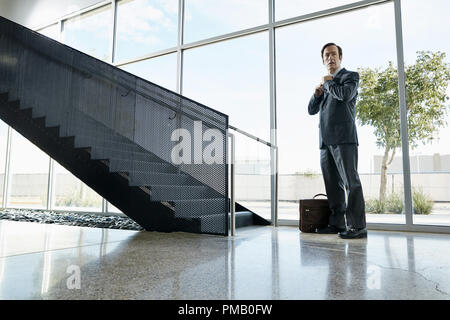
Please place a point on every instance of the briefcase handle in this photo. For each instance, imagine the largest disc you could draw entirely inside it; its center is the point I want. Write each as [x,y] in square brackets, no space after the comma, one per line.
[320,194]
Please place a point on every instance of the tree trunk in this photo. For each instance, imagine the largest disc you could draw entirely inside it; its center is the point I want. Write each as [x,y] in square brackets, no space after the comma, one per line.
[383,176]
[384,166]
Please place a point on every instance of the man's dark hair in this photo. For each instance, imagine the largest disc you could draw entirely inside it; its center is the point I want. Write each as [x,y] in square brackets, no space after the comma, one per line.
[331,44]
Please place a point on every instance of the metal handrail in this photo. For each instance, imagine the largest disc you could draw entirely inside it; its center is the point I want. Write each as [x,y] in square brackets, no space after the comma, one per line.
[233,201]
[232,171]
[252,137]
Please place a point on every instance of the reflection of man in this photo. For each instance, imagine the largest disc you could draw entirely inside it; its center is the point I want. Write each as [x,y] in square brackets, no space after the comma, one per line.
[335,99]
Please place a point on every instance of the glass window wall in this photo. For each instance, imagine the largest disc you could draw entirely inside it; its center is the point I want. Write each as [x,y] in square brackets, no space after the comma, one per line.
[29,167]
[51,31]
[160,70]
[90,32]
[285,9]
[427,68]
[206,19]
[71,194]
[145,26]
[233,77]
[299,71]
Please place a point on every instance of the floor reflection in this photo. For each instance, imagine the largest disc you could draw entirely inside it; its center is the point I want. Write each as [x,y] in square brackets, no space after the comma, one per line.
[258,263]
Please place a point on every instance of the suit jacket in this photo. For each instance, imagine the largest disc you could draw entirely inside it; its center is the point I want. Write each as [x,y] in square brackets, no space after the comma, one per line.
[337,109]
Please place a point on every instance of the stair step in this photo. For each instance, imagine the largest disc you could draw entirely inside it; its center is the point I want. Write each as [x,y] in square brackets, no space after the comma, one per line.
[86,150]
[88,126]
[196,208]
[209,223]
[54,131]
[144,178]
[212,223]
[174,192]
[142,188]
[4,97]
[101,140]
[124,175]
[28,112]
[242,218]
[111,153]
[15,105]
[68,141]
[91,129]
[108,140]
[136,165]
[84,128]
[40,121]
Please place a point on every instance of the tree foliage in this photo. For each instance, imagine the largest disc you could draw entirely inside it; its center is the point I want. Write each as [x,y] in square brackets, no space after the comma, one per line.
[426,97]
[426,103]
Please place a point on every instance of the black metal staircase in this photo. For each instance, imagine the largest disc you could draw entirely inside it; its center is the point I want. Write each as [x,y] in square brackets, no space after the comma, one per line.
[114,132]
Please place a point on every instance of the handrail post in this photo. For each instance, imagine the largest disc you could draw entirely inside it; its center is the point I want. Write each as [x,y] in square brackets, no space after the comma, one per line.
[233,204]
[275,215]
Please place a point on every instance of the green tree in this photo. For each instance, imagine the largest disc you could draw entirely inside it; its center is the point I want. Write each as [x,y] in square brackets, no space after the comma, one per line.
[426,97]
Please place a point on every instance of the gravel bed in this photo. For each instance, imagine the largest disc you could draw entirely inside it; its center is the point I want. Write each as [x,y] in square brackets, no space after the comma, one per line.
[70,219]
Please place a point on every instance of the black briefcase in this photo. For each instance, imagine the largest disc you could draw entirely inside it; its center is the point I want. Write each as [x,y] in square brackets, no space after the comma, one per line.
[314,213]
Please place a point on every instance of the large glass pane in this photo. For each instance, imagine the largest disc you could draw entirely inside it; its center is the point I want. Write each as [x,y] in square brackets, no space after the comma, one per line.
[425,28]
[206,18]
[72,194]
[232,77]
[113,209]
[299,70]
[3,140]
[90,32]
[29,174]
[51,31]
[285,9]
[145,26]
[252,174]
[160,70]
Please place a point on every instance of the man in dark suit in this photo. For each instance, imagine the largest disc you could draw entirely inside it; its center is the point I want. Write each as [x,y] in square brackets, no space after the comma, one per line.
[335,100]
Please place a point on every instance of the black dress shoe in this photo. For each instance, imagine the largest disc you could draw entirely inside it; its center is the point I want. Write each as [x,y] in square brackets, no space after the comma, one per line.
[330,230]
[354,234]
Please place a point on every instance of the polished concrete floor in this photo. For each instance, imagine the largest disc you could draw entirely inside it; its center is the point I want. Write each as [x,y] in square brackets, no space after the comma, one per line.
[39,261]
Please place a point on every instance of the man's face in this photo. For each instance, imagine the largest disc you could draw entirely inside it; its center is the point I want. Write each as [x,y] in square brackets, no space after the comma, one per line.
[331,58]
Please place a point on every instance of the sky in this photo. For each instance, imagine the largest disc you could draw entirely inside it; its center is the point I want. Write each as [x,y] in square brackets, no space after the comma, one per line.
[145,26]
[233,76]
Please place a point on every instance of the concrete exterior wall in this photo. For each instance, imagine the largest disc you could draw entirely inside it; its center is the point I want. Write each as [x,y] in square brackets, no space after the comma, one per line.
[295,187]
[419,164]
[35,185]
[254,187]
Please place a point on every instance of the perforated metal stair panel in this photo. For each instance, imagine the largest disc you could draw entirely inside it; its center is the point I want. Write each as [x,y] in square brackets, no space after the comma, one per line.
[126,120]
